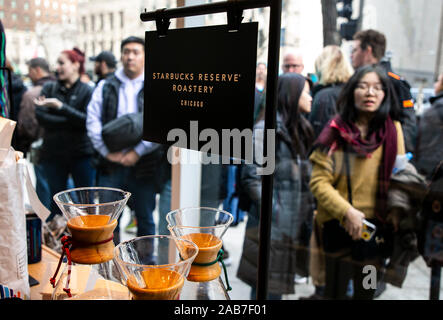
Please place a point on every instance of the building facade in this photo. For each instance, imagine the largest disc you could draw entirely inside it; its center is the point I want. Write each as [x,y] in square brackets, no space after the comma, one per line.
[413,32]
[37,28]
[103,24]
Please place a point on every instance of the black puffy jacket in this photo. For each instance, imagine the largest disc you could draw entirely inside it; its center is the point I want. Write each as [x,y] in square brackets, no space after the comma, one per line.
[293,205]
[408,119]
[429,149]
[65,129]
[324,107]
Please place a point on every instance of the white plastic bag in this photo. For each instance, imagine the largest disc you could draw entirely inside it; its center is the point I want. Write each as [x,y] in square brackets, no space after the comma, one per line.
[13,246]
[14,180]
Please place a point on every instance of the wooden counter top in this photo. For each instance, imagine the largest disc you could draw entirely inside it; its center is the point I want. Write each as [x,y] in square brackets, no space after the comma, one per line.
[38,270]
[43,270]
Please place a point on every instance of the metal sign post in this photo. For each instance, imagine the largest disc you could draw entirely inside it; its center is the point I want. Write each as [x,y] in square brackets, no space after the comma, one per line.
[234,11]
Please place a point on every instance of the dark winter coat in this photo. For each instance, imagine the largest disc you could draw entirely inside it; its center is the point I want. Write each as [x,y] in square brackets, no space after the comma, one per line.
[18,89]
[28,128]
[65,132]
[429,149]
[292,206]
[408,119]
[324,107]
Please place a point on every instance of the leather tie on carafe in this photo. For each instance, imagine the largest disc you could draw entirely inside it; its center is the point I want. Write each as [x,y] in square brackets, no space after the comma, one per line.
[67,246]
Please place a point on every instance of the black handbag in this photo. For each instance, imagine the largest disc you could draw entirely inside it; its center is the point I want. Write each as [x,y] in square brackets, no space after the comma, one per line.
[123,132]
[335,236]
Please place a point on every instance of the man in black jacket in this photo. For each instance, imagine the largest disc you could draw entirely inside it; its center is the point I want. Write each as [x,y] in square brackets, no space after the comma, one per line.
[369,48]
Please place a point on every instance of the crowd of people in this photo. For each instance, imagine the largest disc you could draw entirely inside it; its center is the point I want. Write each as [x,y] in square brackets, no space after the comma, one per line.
[334,164]
[338,136]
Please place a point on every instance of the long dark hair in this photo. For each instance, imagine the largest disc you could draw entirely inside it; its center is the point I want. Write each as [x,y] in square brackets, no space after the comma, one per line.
[389,106]
[290,88]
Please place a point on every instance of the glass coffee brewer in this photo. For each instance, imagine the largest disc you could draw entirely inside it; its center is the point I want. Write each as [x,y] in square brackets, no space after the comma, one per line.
[155,267]
[89,271]
[205,227]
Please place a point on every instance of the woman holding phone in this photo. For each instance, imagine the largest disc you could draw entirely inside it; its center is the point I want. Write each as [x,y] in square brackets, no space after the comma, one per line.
[352,164]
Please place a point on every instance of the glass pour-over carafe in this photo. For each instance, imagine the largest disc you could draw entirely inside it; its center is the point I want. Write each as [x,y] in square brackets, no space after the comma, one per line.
[89,270]
[155,267]
[205,227]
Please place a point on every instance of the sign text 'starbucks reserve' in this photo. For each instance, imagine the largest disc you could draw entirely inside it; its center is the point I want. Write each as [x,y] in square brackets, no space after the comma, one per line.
[189,83]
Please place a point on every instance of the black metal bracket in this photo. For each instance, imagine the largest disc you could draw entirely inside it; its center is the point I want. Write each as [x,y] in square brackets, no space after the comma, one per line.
[203,9]
[162,23]
[235,16]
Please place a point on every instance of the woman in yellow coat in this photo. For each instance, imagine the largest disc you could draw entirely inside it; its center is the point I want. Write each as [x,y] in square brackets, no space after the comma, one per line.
[352,164]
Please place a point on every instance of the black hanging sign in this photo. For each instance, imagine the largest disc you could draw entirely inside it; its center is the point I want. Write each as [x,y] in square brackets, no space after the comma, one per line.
[196,79]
